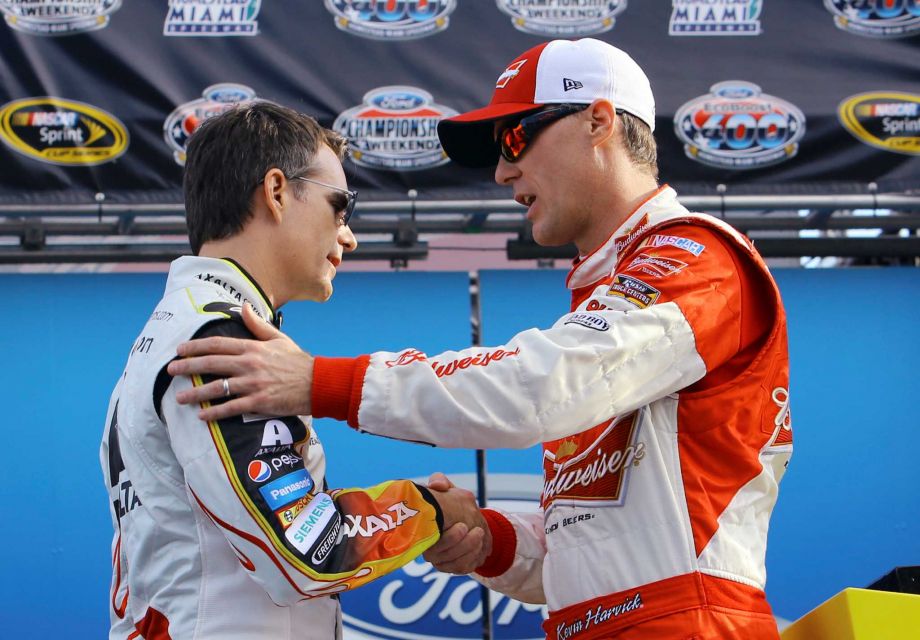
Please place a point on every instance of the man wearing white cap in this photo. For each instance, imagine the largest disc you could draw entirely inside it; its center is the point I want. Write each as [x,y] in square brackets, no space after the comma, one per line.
[661,398]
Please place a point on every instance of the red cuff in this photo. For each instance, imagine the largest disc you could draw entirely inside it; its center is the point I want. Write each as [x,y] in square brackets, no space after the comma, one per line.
[337,384]
[504,545]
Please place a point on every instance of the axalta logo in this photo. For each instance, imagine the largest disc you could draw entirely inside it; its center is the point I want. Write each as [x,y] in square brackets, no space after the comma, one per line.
[563,17]
[416,602]
[64,132]
[392,19]
[56,17]
[396,128]
[210,18]
[888,120]
[715,17]
[216,99]
[276,433]
[368,525]
[592,467]
[737,126]
[259,471]
[876,18]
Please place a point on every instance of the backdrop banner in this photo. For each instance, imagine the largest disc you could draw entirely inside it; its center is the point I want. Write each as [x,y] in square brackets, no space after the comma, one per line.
[764,96]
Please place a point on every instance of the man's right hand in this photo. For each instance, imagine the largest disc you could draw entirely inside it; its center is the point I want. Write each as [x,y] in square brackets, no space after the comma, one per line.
[466,541]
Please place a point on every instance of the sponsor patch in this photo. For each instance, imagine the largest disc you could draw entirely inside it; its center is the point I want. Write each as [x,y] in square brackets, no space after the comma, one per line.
[888,120]
[509,74]
[589,320]
[63,132]
[656,266]
[287,489]
[396,128]
[876,18]
[686,244]
[634,291]
[393,19]
[57,17]
[563,18]
[478,360]
[736,126]
[327,543]
[286,515]
[715,18]
[368,525]
[308,526]
[259,471]
[207,18]
[276,433]
[184,119]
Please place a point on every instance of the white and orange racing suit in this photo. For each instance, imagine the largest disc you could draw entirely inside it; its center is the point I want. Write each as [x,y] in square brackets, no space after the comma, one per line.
[662,404]
[227,530]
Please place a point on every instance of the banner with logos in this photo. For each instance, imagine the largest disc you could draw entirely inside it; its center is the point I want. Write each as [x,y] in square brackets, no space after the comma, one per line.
[766,96]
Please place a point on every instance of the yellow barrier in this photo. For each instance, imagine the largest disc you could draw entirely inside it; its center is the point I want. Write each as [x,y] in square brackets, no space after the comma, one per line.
[860,614]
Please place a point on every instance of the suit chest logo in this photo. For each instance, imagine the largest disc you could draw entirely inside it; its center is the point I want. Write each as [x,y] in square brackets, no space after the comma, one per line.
[592,467]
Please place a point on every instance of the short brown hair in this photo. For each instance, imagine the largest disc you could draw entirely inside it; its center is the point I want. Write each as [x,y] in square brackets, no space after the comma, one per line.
[229,155]
[640,143]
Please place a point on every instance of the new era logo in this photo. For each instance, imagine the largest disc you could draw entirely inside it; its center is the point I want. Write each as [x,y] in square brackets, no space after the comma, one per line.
[568,84]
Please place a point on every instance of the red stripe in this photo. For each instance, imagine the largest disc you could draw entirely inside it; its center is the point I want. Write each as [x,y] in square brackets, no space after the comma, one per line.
[116,560]
[153,626]
[504,545]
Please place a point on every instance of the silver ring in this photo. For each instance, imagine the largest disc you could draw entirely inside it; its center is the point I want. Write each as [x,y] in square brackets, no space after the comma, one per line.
[226,384]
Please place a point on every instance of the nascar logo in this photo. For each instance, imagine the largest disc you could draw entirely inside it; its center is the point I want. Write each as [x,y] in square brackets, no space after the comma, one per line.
[876,18]
[888,120]
[216,99]
[57,18]
[737,126]
[391,19]
[396,128]
[563,17]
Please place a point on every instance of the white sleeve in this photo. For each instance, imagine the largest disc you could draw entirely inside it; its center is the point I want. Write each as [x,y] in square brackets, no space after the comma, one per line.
[517,557]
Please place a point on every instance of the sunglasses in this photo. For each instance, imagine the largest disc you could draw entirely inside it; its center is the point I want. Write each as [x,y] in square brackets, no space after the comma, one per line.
[345,208]
[512,141]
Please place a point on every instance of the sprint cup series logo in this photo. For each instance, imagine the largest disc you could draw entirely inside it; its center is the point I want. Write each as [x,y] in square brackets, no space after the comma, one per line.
[417,602]
[889,120]
[182,122]
[715,18]
[876,18]
[210,18]
[64,132]
[563,17]
[738,127]
[58,17]
[391,19]
[396,128]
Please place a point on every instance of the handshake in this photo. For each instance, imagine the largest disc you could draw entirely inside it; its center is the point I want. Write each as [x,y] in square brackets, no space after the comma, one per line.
[466,541]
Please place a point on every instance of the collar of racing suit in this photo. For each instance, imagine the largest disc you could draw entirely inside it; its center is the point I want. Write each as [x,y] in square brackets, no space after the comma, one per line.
[226,274]
[660,206]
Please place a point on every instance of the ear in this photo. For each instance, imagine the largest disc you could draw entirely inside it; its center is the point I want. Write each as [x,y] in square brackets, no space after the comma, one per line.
[274,193]
[603,117]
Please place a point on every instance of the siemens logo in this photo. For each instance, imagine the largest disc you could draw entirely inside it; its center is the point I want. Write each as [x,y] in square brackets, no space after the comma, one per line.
[310,523]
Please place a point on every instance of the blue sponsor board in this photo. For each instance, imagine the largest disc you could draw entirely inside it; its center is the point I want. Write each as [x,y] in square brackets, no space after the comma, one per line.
[287,489]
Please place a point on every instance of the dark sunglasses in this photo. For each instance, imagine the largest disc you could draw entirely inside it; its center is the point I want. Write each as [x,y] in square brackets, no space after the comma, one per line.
[345,208]
[512,140]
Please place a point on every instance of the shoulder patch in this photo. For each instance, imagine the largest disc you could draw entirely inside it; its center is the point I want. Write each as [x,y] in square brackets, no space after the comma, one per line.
[686,244]
[656,266]
[633,290]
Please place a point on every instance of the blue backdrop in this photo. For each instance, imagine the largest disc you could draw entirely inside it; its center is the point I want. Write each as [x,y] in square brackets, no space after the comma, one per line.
[848,510]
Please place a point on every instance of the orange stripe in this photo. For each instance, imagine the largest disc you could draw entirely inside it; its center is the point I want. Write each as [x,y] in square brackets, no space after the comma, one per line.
[597,619]
[153,626]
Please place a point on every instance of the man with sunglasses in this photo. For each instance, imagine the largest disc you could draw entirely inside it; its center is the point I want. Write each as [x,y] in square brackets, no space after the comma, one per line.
[218,523]
[661,399]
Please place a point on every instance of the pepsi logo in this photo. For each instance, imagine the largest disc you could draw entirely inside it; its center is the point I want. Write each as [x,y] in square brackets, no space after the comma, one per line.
[259,471]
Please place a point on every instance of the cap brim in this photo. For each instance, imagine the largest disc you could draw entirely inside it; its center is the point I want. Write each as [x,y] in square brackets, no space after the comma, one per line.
[468,139]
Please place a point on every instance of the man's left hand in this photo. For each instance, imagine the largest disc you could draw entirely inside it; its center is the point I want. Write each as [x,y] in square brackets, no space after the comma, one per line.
[269,376]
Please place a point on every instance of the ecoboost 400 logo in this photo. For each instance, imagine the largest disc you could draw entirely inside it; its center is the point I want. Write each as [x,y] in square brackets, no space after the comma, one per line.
[395,128]
[563,17]
[737,126]
[876,18]
[392,19]
[64,132]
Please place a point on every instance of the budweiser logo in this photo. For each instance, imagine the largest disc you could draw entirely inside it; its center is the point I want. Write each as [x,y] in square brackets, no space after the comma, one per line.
[452,367]
[620,242]
[592,466]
